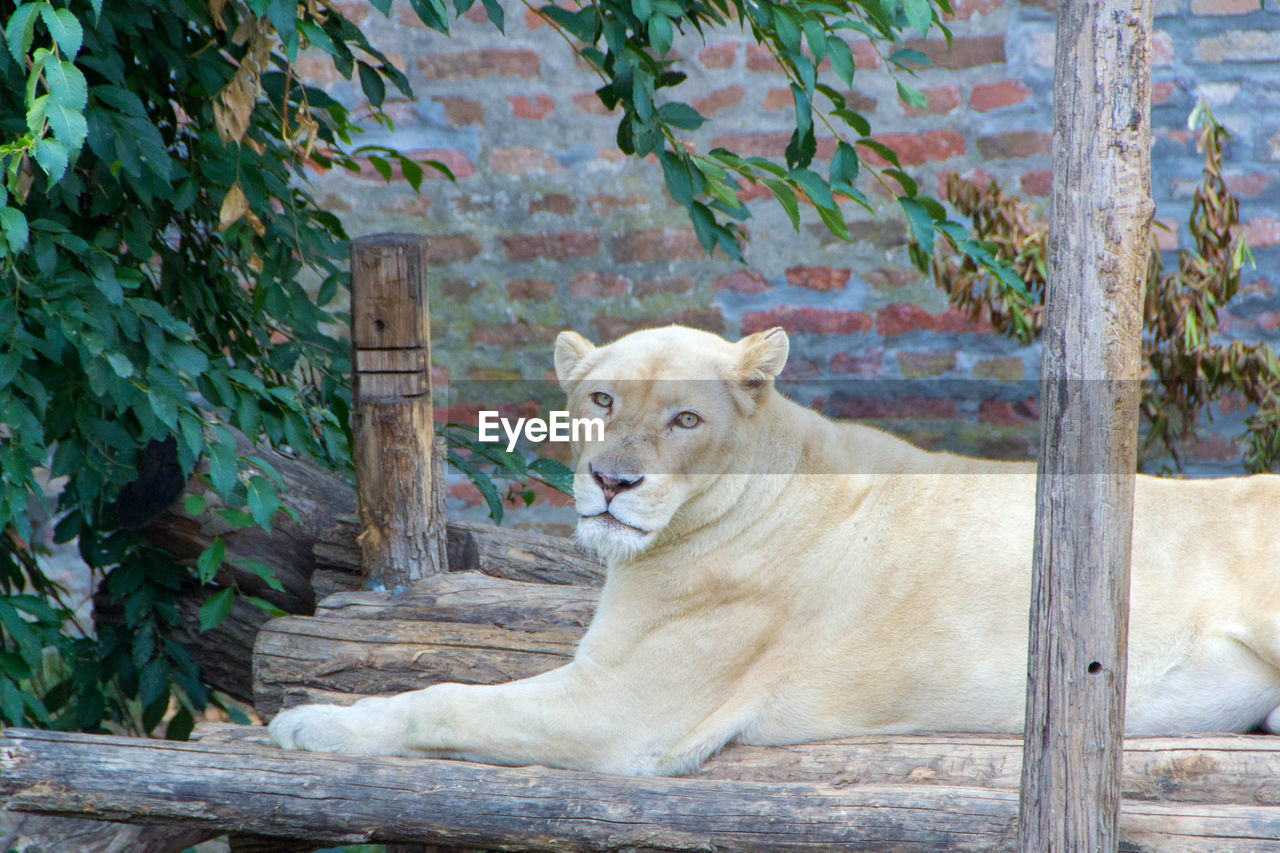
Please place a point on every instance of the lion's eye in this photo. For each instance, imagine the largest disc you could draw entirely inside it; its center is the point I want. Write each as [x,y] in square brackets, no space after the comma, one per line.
[602,399]
[686,420]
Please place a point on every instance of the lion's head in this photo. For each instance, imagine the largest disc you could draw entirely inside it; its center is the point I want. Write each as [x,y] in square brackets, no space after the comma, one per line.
[676,403]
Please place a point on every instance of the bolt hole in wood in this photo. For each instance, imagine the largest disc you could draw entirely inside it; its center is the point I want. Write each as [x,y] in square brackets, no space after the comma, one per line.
[1095,668]
[378,325]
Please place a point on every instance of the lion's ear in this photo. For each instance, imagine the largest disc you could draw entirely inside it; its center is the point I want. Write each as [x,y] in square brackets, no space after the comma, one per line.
[571,349]
[764,353]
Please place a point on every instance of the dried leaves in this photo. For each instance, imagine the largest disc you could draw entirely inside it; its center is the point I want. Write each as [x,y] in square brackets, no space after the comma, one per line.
[1189,371]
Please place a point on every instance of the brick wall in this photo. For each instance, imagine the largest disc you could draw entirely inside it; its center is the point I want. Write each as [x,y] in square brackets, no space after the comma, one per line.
[549,226]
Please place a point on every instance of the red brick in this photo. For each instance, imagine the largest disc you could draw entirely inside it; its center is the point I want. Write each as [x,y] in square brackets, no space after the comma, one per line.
[1250,186]
[719,99]
[926,365]
[707,319]
[589,102]
[654,245]
[531,290]
[997,96]
[652,286]
[864,55]
[1004,413]
[753,192]
[538,107]
[451,248]
[465,493]
[760,59]
[418,205]
[477,15]
[902,318]
[938,101]
[891,408]
[915,149]
[458,289]
[818,278]
[1261,232]
[1015,144]
[890,278]
[566,244]
[558,204]
[1000,369]
[354,12]
[1223,7]
[866,364]
[814,321]
[602,205]
[461,111]
[742,281]
[485,62]
[965,52]
[1161,48]
[595,285]
[317,70]
[718,55]
[1212,447]
[509,334]
[768,145]
[1162,92]
[523,161]
[1038,182]
[1166,236]
[779,99]
[612,328]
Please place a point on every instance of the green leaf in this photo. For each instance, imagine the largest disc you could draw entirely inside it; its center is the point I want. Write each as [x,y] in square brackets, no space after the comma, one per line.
[263,502]
[912,97]
[920,221]
[263,604]
[11,702]
[210,560]
[317,37]
[900,58]
[919,15]
[66,85]
[814,187]
[554,473]
[481,481]
[65,29]
[680,115]
[14,227]
[841,58]
[52,157]
[215,609]
[263,571]
[844,164]
[120,363]
[20,29]
[180,726]
[661,34]
[676,173]
[68,125]
[371,83]
[493,8]
[222,462]
[787,199]
[787,26]
[194,504]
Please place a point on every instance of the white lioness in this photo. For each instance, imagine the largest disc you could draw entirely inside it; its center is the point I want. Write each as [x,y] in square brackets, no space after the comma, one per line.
[777,577]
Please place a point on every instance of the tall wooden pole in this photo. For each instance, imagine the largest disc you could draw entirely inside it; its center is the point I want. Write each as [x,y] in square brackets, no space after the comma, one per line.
[1098,242]
[402,524]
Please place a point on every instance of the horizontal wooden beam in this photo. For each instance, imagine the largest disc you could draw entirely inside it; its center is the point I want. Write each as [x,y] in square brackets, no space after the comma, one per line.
[229,786]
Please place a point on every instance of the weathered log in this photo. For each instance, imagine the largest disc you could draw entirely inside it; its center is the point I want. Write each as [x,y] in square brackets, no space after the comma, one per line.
[463,627]
[1090,376]
[37,833]
[1203,769]
[350,799]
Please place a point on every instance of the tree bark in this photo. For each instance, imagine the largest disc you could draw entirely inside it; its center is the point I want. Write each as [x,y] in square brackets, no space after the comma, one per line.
[256,789]
[1100,213]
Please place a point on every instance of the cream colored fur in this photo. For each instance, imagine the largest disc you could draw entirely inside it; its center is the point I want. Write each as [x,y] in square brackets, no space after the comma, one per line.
[778,577]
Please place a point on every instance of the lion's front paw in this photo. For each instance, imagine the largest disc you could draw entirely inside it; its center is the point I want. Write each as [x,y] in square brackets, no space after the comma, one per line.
[318,728]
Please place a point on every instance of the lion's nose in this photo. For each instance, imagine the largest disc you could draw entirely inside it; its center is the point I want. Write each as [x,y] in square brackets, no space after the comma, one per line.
[612,485]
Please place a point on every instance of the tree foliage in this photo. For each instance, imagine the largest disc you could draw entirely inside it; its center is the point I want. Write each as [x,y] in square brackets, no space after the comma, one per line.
[1187,369]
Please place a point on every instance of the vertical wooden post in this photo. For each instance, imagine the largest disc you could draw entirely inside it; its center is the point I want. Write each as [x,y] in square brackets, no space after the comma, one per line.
[1098,243]
[402,525]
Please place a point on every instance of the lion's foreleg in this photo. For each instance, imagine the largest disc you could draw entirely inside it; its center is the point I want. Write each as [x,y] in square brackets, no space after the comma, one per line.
[552,719]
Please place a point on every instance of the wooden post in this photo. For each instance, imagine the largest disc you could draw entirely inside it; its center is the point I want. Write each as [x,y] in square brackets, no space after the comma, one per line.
[1098,243]
[402,527]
